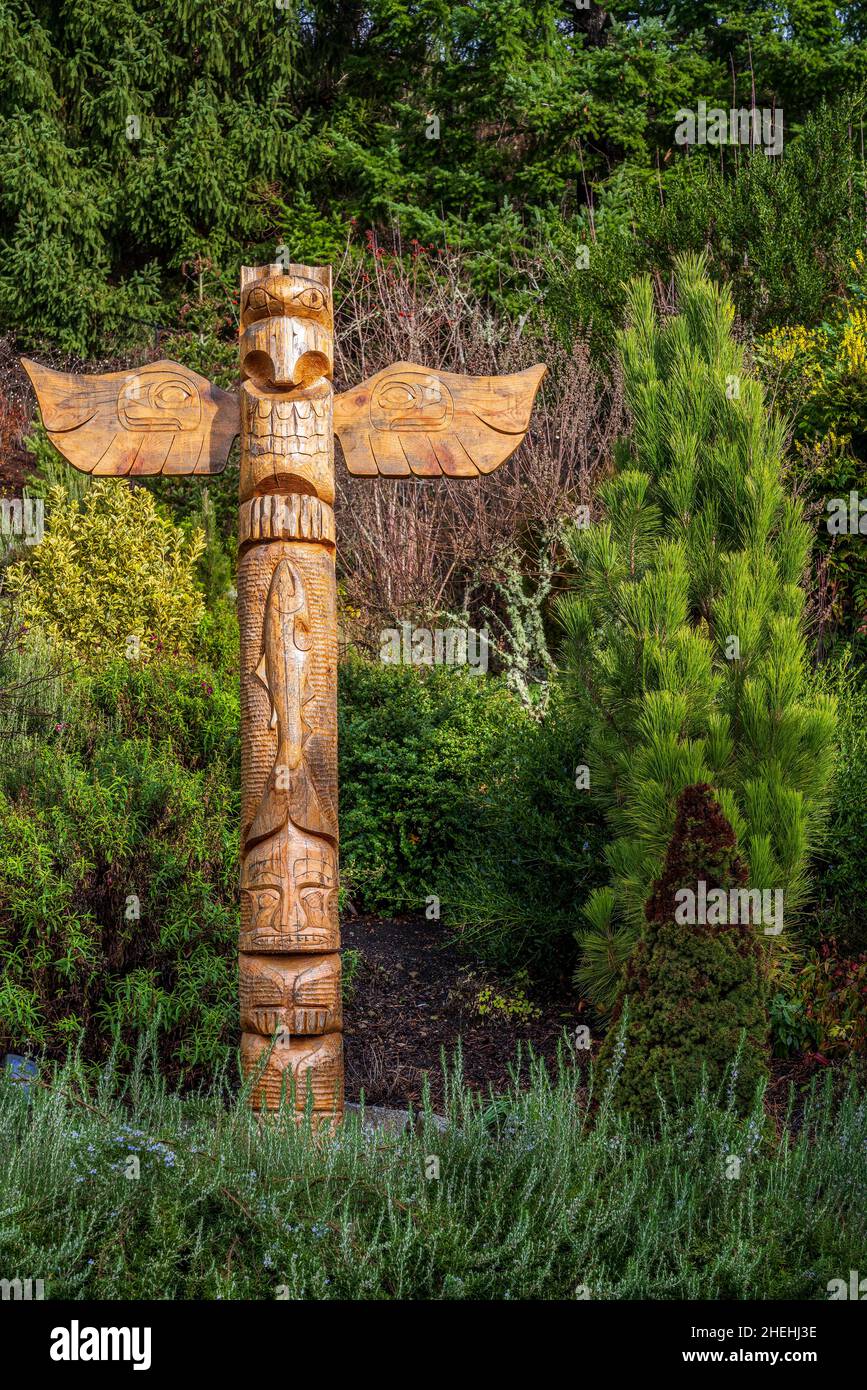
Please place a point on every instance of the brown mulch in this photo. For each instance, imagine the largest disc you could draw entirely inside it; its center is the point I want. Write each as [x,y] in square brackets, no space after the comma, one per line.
[415,994]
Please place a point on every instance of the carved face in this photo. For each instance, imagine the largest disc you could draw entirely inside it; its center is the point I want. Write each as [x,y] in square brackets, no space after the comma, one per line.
[289,895]
[294,995]
[286,395]
[313,1062]
[412,399]
[289,446]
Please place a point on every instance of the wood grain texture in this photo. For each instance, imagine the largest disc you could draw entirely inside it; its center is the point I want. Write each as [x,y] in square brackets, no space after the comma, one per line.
[287,611]
[289,1065]
[160,418]
[407,420]
[411,420]
[292,995]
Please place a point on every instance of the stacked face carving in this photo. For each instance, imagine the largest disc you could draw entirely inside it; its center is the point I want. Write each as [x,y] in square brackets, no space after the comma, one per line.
[290,969]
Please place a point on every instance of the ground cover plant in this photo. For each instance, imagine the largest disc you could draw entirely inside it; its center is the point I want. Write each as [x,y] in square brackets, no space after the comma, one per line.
[123,1190]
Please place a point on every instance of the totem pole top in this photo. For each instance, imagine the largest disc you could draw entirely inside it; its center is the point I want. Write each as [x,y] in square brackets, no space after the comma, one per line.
[407,420]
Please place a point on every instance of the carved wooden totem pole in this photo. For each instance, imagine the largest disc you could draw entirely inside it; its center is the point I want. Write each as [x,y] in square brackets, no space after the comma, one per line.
[406,421]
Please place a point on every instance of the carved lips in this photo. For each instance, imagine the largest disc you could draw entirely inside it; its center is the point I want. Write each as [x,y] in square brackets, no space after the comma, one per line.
[291,994]
[289,895]
[287,441]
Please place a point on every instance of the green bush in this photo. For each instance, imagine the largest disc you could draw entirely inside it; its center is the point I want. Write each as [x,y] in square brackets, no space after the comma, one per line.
[685,633]
[841,863]
[818,376]
[414,744]
[779,231]
[546,1195]
[451,789]
[118,876]
[111,577]
[516,885]
[448,788]
[693,1008]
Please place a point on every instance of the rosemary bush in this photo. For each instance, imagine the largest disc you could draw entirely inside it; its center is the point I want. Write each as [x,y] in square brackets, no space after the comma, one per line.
[540,1195]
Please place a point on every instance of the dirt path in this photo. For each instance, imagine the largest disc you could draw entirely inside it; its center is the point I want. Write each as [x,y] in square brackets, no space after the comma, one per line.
[414,995]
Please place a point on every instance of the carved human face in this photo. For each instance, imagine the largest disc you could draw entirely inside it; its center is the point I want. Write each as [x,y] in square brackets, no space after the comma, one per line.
[295,995]
[289,895]
[317,1062]
[288,443]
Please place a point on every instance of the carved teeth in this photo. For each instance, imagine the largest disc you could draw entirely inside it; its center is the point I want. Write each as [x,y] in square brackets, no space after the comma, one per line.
[303,409]
[285,445]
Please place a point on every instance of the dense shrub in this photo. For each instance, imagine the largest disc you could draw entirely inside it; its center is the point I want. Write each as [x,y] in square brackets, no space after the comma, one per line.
[693,1006]
[451,789]
[686,633]
[131,790]
[819,377]
[112,577]
[779,231]
[834,993]
[538,1196]
[118,877]
[415,744]
[841,863]
[517,880]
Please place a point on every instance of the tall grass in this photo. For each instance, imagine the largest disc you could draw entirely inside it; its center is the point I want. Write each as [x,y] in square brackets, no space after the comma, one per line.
[542,1193]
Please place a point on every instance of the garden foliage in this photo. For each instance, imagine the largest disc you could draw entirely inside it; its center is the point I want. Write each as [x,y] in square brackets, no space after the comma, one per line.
[544,1195]
[685,633]
[112,577]
[693,1011]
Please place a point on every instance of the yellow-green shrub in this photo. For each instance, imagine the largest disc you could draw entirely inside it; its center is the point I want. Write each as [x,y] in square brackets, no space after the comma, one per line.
[111,569]
[819,378]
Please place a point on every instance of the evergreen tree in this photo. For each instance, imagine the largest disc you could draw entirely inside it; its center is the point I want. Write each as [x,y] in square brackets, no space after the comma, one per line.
[693,1004]
[139,135]
[685,633]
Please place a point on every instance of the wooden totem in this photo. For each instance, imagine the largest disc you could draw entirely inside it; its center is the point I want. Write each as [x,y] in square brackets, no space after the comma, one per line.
[407,421]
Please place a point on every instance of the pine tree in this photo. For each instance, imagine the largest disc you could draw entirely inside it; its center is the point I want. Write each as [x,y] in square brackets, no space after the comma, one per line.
[693,1001]
[685,632]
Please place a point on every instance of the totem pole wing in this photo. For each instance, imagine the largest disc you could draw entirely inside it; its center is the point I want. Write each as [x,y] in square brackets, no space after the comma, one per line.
[160,418]
[413,421]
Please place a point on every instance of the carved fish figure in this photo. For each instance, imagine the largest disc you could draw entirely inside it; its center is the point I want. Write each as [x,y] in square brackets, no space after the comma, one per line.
[283,671]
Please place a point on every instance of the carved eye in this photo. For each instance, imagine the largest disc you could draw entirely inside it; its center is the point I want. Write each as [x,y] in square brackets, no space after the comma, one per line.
[411,401]
[154,399]
[314,300]
[314,900]
[169,395]
[397,396]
